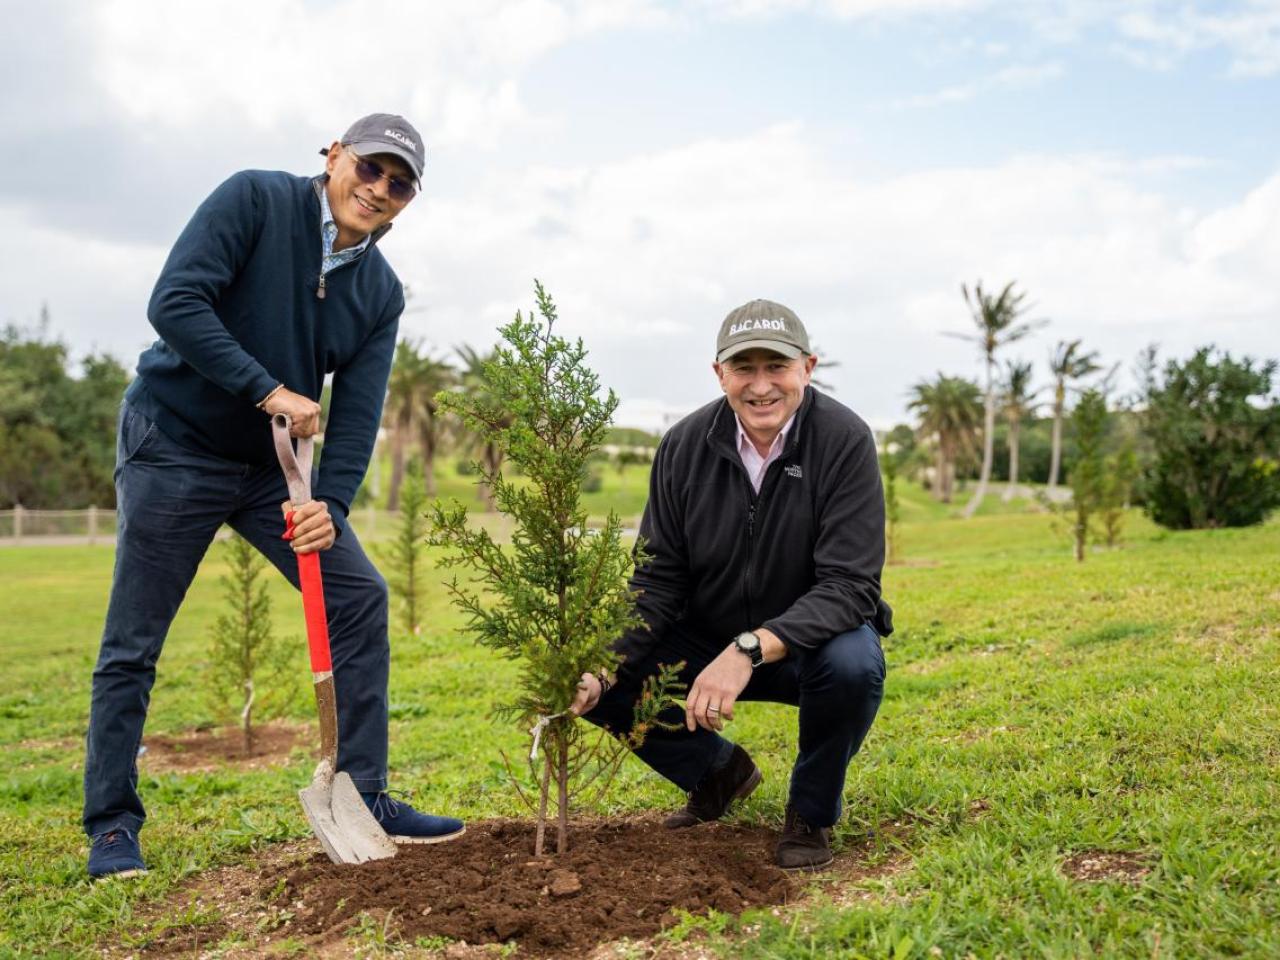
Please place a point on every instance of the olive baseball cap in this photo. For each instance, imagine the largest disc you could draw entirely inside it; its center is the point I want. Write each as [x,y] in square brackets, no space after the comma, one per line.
[386,133]
[763,324]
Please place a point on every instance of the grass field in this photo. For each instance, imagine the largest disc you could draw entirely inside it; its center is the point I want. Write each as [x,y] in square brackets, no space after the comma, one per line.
[1039,715]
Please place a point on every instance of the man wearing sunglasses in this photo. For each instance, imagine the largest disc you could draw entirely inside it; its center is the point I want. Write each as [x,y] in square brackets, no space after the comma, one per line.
[276,283]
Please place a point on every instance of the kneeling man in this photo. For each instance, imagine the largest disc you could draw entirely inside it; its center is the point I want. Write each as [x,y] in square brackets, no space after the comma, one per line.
[765,534]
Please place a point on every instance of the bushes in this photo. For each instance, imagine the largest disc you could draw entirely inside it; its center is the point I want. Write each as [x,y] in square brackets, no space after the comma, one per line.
[1216,429]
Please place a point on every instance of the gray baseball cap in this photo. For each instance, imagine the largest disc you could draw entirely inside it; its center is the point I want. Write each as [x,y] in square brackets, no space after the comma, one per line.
[763,324]
[386,133]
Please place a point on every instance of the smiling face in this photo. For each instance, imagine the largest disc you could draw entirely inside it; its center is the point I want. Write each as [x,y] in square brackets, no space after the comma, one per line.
[360,208]
[764,389]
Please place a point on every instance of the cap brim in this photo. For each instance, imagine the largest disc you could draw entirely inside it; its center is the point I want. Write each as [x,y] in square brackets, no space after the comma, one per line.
[371,147]
[783,349]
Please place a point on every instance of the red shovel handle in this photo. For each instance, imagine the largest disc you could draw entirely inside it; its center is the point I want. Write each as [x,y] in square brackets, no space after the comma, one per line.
[313,607]
[297,473]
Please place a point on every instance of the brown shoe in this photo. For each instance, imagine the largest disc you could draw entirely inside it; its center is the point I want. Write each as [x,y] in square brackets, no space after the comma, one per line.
[711,798]
[802,846]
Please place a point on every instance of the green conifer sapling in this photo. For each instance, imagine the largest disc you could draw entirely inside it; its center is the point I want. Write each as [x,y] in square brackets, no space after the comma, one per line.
[245,659]
[557,597]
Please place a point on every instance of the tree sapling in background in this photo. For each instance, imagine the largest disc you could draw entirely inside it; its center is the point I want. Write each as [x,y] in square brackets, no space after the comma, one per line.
[558,596]
[248,666]
[403,557]
[1088,476]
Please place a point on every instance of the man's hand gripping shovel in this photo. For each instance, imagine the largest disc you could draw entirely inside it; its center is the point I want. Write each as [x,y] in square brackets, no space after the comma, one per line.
[339,817]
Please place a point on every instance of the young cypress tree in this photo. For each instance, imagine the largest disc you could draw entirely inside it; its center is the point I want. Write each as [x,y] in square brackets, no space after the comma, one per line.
[246,661]
[1088,480]
[403,557]
[558,596]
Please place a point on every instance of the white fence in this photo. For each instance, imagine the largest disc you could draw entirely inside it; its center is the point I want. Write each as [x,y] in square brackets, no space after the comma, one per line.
[23,527]
[51,528]
[93,525]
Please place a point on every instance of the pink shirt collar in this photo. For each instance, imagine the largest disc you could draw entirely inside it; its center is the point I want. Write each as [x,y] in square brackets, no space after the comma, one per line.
[757,465]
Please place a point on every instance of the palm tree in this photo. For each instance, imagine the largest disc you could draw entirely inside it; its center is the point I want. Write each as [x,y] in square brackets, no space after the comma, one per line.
[1066,363]
[950,410]
[999,322]
[472,381]
[416,378]
[1018,401]
[819,383]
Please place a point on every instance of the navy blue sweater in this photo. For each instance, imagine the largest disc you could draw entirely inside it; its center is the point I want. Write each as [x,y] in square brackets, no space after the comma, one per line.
[237,313]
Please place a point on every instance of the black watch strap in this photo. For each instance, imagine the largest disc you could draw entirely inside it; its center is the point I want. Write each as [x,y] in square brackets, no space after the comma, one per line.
[753,651]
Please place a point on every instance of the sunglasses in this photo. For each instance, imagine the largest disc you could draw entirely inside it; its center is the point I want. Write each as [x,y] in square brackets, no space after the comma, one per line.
[370,171]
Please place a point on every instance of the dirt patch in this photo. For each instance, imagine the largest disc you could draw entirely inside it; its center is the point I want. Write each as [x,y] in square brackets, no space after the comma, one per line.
[1098,866]
[204,750]
[619,879]
[622,883]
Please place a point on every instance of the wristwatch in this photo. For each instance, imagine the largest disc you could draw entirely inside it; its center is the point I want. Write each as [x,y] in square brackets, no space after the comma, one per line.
[748,644]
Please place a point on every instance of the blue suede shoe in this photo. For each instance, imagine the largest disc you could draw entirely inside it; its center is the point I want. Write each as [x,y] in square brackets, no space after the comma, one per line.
[404,824]
[116,854]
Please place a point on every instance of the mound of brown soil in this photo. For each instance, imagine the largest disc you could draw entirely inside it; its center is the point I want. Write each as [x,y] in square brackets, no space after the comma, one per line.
[619,879]
[204,750]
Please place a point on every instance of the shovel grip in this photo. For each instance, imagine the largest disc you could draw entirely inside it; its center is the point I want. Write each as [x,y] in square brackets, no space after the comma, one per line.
[313,611]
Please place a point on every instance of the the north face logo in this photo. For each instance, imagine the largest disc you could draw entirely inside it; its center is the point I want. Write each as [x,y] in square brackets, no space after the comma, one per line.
[794,471]
[397,135]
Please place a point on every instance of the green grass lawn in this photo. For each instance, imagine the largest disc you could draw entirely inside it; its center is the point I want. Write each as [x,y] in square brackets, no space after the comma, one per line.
[1036,709]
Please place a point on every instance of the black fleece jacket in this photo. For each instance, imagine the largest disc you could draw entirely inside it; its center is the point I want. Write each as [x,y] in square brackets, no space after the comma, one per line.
[802,558]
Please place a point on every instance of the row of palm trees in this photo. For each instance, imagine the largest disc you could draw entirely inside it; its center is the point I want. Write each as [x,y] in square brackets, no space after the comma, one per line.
[411,414]
[953,411]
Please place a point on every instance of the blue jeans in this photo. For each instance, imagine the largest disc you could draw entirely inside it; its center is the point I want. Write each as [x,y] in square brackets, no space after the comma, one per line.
[838,688]
[170,502]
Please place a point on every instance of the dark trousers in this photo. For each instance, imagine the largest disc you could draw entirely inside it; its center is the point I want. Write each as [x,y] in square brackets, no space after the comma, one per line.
[170,503]
[837,687]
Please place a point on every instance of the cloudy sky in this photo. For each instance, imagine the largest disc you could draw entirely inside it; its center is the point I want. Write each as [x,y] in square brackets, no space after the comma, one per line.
[656,164]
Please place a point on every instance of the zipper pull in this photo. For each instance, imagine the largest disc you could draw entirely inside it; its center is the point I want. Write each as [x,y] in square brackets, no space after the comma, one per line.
[751,518]
[320,288]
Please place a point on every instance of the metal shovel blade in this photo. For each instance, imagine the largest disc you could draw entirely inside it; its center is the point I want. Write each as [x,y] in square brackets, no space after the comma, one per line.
[340,819]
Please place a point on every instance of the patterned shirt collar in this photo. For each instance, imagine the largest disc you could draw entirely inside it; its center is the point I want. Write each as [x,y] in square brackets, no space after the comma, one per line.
[329,234]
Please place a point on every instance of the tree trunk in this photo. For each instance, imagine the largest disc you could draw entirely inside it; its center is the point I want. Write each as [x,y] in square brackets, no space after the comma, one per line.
[427,440]
[562,780]
[491,457]
[1014,430]
[541,829]
[246,717]
[988,446]
[940,491]
[397,467]
[1055,446]
[946,468]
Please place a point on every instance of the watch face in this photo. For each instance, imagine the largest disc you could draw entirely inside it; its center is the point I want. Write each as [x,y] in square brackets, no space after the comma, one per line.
[748,641]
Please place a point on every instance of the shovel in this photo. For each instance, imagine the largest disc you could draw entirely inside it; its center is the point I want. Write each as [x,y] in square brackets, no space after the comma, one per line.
[338,815]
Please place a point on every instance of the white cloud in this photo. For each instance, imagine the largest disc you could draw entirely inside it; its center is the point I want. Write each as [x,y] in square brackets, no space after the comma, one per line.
[646,253]
[839,9]
[1250,32]
[874,266]
[1153,34]
[1013,77]
[450,66]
